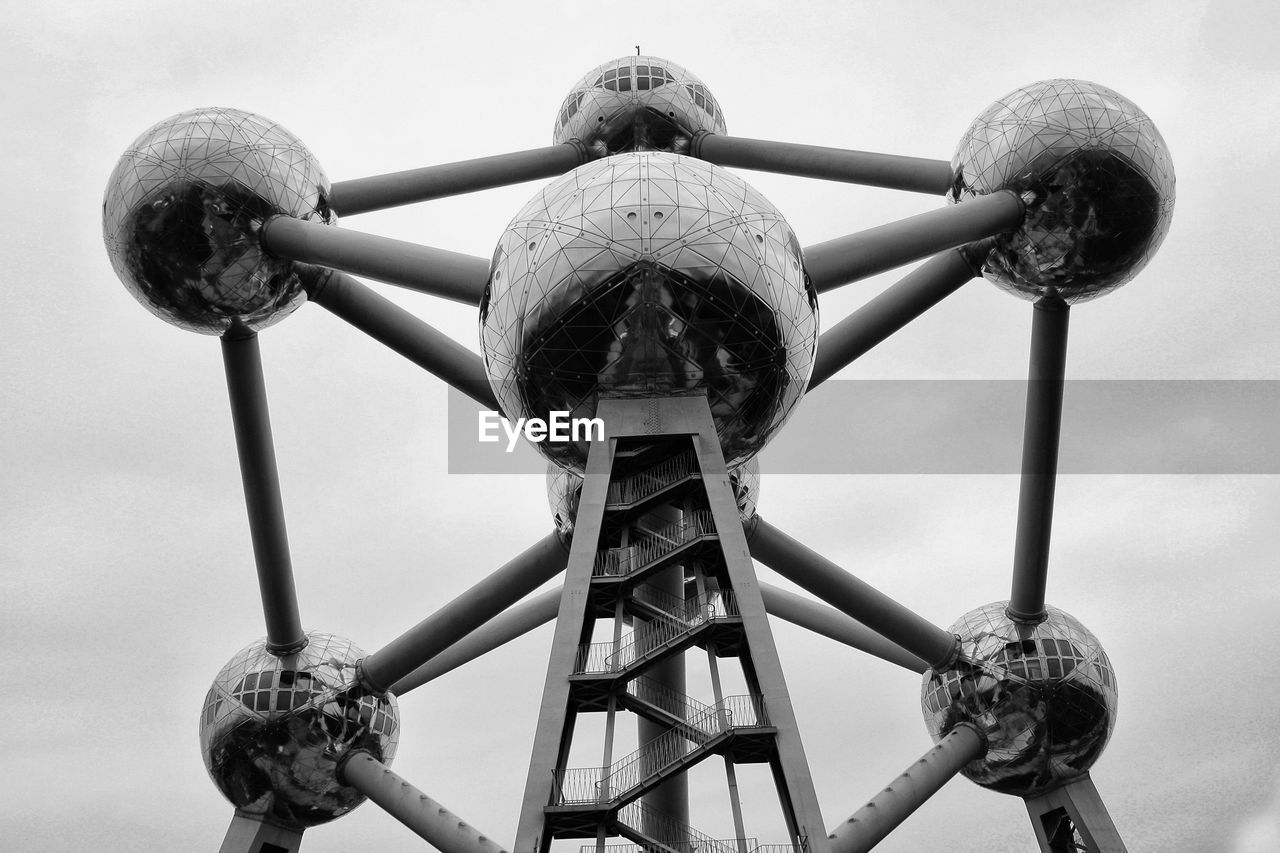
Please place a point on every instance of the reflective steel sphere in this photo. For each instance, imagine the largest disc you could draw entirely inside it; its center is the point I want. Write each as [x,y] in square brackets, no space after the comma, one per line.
[645,275]
[564,490]
[1100,181]
[183,209]
[273,728]
[637,103]
[1043,695]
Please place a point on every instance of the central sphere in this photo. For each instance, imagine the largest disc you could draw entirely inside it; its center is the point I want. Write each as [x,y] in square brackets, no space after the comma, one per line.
[274,727]
[650,275]
[1043,695]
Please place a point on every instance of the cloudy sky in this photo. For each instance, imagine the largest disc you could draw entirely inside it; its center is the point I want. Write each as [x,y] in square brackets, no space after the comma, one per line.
[126,576]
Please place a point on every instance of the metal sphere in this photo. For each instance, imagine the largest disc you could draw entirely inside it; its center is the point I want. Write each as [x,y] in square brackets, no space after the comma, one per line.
[650,274]
[564,491]
[1043,695]
[1099,179]
[182,213]
[637,103]
[274,727]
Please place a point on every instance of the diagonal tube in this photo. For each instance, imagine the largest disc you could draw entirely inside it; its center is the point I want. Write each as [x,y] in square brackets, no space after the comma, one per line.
[1041,432]
[866,253]
[421,343]
[425,269]
[379,192]
[526,572]
[432,822]
[891,171]
[247,391]
[835,625]
[916,293]
[849,595]
[871,823]
[513,623]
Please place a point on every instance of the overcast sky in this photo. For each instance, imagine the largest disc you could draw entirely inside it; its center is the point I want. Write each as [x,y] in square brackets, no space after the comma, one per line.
[126,575]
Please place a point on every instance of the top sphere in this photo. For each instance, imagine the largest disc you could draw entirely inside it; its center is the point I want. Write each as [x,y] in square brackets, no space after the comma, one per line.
[1043,695]
[650,275]
[182,212]
[637,103]
[1100,180]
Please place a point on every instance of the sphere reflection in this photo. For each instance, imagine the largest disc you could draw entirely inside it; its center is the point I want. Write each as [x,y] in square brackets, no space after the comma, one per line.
[274,727]
[644,275]
[183,209]
[1044,696]
[1100,181]
[637,103]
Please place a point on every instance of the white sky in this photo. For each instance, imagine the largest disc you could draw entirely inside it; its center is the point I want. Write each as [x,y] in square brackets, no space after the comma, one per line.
[126,576]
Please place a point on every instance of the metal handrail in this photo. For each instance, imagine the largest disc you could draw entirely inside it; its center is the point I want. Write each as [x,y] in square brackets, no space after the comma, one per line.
[607,784]
[644,820]
[645,483]
[648,548]
[655,635]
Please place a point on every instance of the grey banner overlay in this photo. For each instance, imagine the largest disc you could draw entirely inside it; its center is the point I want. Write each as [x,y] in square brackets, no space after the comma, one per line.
[975,427]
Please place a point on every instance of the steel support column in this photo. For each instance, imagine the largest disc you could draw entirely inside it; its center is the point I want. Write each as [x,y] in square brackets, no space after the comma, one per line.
[379,192]
[866,253]
[251,834]
[1041,433]
[247,391]
[438,272]
[421,343]
[913,174]
[1071,815]
[849,595]
[530,569]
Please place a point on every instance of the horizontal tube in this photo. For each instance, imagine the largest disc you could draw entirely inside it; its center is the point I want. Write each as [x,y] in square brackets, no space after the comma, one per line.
[888,809]
[379,192]
[420,342]
[516,622]
[897,306]
[849,595]
[526,572]
[913,174]
[835,625]
[429,820]
[438,272]
[866,253]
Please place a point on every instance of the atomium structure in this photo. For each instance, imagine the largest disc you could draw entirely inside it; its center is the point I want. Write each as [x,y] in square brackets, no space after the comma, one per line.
[649,287]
